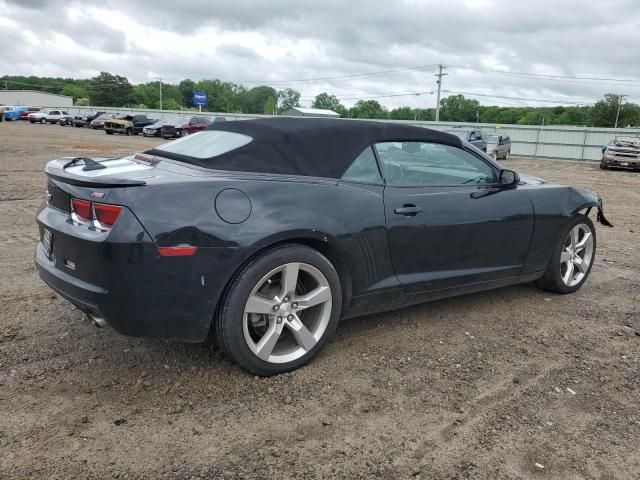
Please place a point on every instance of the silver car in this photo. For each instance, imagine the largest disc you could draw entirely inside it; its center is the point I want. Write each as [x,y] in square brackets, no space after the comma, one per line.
[498,145]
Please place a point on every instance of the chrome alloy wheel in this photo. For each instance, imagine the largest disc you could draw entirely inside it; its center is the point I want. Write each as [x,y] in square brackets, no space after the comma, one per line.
[287,313]
[577,255]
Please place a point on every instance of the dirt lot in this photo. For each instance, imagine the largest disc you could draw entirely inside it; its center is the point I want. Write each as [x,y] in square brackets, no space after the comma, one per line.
[514,383]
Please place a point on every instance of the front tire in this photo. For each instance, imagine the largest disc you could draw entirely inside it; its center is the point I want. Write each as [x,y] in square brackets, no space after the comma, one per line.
[43,121]
[280,310]
[572,258]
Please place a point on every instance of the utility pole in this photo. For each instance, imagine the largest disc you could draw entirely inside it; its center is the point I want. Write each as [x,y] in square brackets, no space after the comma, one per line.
[440,74]
[160,80]
[620,98]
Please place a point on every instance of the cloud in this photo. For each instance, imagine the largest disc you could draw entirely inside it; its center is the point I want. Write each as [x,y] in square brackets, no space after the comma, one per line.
[271,42]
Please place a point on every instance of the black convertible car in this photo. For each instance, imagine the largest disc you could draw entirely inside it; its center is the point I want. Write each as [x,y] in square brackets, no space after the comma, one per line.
[267,232]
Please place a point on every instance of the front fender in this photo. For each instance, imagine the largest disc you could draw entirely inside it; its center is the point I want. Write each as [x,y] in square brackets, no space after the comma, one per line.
[581,199]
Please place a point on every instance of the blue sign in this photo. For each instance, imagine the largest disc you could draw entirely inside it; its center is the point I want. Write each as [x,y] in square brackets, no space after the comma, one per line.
[199,98]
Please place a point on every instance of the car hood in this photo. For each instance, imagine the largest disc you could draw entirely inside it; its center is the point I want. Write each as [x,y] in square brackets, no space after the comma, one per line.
[530,179]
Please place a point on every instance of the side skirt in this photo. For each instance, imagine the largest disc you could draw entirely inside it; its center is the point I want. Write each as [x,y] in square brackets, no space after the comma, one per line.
[394,299]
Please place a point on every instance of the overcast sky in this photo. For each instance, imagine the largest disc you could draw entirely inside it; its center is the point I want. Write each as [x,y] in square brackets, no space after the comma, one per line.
[276,41]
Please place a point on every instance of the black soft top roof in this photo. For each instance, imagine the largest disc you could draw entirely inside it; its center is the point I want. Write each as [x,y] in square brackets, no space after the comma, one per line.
[317,147]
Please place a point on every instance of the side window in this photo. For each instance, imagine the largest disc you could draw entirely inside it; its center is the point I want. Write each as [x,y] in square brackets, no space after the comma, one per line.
[421,163]
[364,169]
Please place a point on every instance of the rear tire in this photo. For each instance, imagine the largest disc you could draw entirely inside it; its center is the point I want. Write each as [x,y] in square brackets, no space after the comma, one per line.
[572,257]
[280,310]
[43,121]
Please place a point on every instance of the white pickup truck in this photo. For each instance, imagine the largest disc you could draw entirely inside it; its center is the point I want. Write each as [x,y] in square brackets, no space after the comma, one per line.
[49,116]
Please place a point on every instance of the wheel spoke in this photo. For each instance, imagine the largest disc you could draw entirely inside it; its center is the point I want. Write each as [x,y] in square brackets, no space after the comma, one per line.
[301,333]
[315,297]
[568,276]
[586,240]
[289,279]
[258,304]
[580,263]
[565,256]
[268,341]
[574,238]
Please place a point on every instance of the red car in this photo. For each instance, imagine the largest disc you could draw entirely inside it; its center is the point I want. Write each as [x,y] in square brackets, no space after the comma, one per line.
[25,114]
[195,124]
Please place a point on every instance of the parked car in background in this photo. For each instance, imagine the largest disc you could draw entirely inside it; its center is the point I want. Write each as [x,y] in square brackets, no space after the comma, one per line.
[25,114]
[1,113]
[265,233]
[193,124]
[66,121]
[498,145]
[474,136]
[48,116]
[12,113]
[84,119]
[98,122]
[127,124]
[156,129]
[621,152]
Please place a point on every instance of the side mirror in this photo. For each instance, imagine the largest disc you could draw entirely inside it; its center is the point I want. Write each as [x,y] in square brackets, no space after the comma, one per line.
[509,178]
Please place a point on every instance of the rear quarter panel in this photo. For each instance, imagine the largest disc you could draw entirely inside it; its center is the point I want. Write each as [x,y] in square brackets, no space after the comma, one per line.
[346,218]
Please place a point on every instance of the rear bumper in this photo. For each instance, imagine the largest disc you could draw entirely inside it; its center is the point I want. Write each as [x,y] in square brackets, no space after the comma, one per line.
[119,276]
[83,295]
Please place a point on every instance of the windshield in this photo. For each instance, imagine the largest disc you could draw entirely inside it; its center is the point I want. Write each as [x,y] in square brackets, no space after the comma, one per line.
[462,134]
[207,144]
[492,138]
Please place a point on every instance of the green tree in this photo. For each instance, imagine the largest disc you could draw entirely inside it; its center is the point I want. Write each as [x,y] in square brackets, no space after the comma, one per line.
[368,109]
[325,101]
[82,102]
[74,90]
[171,104]
[270,106]
[403,113]
[254,99]
[457,108]
[186,92]
[288,98]
[603,113]
[108,90]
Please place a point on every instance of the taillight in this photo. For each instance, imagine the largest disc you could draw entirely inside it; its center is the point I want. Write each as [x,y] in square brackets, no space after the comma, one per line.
[81,208]
[105,214]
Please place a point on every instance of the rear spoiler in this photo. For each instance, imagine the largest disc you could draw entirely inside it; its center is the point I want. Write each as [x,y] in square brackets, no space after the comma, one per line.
[56,171]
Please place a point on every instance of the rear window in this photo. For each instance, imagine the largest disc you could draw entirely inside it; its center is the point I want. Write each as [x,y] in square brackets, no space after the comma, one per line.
[208,144]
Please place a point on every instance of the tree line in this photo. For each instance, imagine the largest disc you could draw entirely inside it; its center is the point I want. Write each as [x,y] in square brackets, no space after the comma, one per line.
[109,90]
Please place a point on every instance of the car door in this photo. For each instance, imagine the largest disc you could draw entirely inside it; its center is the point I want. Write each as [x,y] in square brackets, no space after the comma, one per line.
[448,221]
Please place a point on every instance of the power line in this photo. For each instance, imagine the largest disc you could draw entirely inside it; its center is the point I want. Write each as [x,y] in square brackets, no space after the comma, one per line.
[542,76]
[340,77]
[524,99]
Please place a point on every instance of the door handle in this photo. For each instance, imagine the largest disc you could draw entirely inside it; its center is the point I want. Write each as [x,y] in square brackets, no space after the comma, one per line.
[408,209]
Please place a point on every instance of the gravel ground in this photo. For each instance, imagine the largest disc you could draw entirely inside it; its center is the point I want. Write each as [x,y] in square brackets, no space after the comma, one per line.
[514,383]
